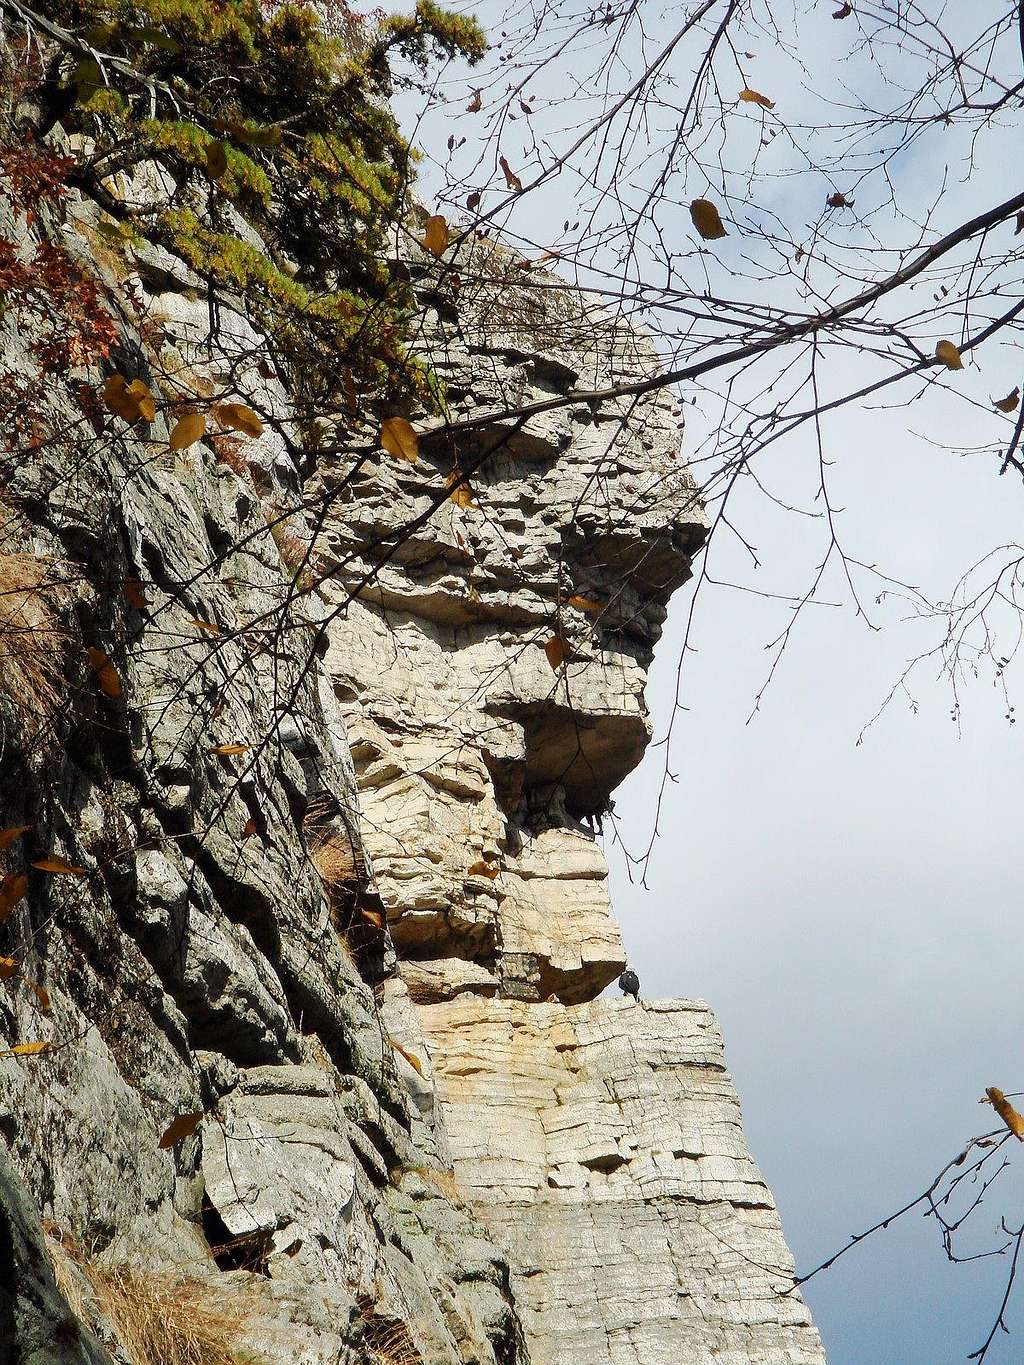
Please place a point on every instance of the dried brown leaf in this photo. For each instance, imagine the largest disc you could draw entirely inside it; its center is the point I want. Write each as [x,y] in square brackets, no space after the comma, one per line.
[707,220]
[436,235]
[8,836]
[949,355]
[399,438]
[60,867]
[182,1127]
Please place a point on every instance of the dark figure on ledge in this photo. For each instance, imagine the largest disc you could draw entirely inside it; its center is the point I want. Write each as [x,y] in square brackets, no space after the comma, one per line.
[629,983]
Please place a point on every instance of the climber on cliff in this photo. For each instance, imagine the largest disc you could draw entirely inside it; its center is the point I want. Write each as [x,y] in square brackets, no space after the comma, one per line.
[629,983]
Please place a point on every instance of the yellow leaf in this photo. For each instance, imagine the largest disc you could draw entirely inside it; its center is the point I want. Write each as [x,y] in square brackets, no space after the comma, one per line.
[40,993]
[205,625]
[8,966]
[1007,404]
[25,1050]
[138,392]
[754,97]
[230,749]
[187,431]
[60,867]
[134,595]
[8,836]
[557,650]
[482,869]
[119,399]
[216,159]
[106,673]
[12,889]
[436,237]
[182,1127]
[585,604]
[1013,1120]
[237,417]
[461,493]
[949,355]
[410,1057]
[399,438]
[706,220]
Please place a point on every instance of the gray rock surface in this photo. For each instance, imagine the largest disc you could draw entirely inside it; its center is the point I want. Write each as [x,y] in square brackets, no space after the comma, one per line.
[421,1137]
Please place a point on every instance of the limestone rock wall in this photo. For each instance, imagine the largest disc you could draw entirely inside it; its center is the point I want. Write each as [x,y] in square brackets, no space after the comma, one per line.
[338,898]
[600,1141]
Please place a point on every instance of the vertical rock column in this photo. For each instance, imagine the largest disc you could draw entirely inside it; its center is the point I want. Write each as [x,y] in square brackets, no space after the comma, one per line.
[600,1141]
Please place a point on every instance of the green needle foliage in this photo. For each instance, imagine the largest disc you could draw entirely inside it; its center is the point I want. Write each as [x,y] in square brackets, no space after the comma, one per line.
[261,150]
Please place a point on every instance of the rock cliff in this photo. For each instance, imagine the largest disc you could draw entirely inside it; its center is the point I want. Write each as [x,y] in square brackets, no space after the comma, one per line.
[303,917]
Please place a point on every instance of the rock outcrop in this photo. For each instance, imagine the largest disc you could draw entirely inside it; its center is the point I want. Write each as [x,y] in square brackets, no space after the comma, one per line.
[302,777]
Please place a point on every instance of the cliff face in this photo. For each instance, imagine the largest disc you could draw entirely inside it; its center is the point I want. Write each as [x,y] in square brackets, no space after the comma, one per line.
[327,903]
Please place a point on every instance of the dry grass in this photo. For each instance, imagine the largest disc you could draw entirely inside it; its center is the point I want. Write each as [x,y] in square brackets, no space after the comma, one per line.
[389,1342]
[159,1318]
[32,644]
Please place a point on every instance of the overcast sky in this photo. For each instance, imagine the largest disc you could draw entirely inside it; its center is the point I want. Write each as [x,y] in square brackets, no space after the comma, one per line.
[851,912]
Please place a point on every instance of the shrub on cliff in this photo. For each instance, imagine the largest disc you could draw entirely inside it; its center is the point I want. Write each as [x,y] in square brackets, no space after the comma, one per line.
[253,142]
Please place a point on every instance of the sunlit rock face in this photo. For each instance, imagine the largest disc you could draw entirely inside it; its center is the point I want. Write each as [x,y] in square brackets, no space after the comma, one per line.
[481,755]
[601,1142]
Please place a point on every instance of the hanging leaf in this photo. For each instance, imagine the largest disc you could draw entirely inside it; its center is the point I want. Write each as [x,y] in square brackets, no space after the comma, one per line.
[482,869]
[473,201]
[839,201]
[755,97]
[182,1127]
[187,431]
[40,993]
[949,355]
[558,651]
[8,836]
[106,673]
[706,220]
[475,104]
[511,179]
[229,749]
[585,604]
[410,1057]
[1007,404]
[237,417]
[12,889]
[436,235]
[117,398]
[138,392]
[461,493]
[60,867]
[25,1050]
[205,625]
[348,383]
[1018,224]
[399,438]
[8,967]
[1013,1120]
[843,12]
[249,828]
[216,159]
[373,917]
[134,595]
